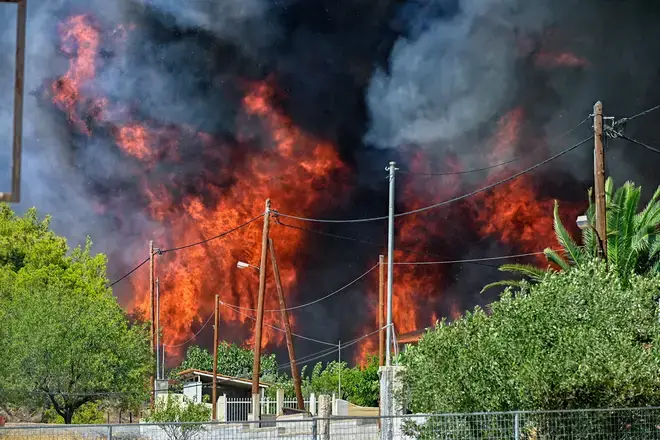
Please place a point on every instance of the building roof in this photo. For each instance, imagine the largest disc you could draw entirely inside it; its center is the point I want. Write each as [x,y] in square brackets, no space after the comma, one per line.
[207,376]
[411,337]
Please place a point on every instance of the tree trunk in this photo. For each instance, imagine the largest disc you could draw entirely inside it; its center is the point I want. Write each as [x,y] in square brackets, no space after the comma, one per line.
[68,416]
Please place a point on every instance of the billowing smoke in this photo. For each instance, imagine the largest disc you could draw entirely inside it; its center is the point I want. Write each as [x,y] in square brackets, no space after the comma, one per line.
[438,85]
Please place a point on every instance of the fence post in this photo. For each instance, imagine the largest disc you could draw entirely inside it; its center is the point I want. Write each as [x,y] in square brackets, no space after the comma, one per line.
[314,429]
[109,432]
[516,426]
[279,402]
[325,412]
[312,404]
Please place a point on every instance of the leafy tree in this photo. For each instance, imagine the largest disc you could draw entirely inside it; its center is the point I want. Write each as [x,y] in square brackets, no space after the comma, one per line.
[87,414]
[233,360]
[181,410]
[577,339]
[359,385]
[63,335]
[633,238]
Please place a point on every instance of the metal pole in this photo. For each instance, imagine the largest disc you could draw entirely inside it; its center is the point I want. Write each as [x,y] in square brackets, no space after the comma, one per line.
[340,368]
[516,427]
[152,313]
[287,328]
[390,264]
[599,178]
[256,407]
[214,396]
[381,311]
[157,328]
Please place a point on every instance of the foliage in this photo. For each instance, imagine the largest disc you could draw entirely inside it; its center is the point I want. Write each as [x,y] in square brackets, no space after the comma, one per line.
[233,360]
[633,238]
[180,410]
[87,414]
[577,339]
[64,336]
[359,385]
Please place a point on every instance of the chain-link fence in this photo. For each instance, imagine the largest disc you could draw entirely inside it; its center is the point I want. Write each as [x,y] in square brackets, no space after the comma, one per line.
[619,424]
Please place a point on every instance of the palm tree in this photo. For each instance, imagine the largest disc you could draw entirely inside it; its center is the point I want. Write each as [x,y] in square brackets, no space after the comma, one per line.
[633,238]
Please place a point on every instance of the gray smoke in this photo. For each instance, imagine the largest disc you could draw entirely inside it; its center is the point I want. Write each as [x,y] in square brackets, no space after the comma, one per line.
[452,76]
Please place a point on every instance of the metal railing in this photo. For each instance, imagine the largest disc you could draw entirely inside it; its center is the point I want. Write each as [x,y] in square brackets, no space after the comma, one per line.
[239,409]
[611,424]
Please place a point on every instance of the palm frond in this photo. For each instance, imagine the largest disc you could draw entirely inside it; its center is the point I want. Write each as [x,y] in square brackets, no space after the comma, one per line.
[534,273]
[557,259]
[627,257]
[503,283]
[589,238]
[575,254]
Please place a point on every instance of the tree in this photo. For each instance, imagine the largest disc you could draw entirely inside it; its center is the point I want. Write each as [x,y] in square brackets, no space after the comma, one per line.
[633,238]
[179,409]
[64,337]
[233,360]
[577,339]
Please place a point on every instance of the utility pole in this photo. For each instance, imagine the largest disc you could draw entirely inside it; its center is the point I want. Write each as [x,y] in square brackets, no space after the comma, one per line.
[152,313]
[256,405]
[599,179]
[214,396]
[157,325]
[340,367]
[381,312]
[287,328]
[390,265]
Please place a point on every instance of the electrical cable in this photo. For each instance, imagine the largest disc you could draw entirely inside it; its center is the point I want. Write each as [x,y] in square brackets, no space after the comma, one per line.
[230,307]
[300,306]
[214,237]
[163,251]
[129,273]
[445,202]
[641,144]
[501,257]
[193,336]
[645,112]
[497,165]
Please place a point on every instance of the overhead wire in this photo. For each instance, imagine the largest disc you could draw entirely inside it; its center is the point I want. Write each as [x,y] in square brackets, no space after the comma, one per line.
[174,249]
[636,142]
[318,300]
[501,257]
[193,336]
[638,115]
[497,165]
[230,307]
[445,202]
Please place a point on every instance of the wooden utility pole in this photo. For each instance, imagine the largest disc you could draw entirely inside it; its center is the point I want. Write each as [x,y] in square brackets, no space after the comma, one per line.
[256,405]
[599,179]
[287,328]
[214,395]
[381,311]
[19,91]
[152,313]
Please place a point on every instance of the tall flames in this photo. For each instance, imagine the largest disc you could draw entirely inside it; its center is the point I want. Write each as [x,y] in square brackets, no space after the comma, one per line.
[271,157]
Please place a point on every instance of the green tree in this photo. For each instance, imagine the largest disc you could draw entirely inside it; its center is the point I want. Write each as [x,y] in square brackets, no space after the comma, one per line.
[233,360]
[179,409]
[64,337]
[633,238]
[577,339]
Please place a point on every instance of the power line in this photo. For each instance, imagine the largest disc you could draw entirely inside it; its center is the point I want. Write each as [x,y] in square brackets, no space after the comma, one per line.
[229,306]
[162,251]
[214,237]
[641,144]
[446,202]
[645,112]
[193,336]
[490,167]
[501,257]
[300,306]
[129,273]
[370,243]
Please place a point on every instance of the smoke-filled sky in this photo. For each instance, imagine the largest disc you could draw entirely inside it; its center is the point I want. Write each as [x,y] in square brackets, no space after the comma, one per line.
[378,79]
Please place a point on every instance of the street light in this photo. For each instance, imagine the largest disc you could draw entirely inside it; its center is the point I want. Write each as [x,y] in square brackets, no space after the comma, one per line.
[582,222]
[244,265]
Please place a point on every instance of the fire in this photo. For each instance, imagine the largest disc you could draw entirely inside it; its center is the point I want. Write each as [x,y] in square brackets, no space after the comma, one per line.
[287,165]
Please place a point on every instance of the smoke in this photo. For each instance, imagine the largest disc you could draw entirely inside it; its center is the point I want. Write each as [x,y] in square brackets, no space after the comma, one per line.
[452,72]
